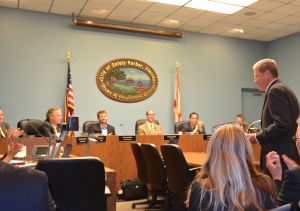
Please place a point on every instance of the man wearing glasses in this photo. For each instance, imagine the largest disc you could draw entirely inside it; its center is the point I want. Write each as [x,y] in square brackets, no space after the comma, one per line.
[288,188]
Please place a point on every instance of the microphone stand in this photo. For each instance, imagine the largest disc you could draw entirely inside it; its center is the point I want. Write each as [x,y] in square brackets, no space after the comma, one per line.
[252,125]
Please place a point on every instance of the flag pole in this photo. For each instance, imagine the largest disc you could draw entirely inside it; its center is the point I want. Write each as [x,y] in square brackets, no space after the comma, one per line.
[177,101]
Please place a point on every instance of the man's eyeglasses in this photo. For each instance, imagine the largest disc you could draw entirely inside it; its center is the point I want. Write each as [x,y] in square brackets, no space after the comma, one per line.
[295,139]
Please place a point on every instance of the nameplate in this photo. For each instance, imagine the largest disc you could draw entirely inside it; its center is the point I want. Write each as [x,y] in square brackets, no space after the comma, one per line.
[170,137]
[81,140]
[101,139]
[127,138]
[206,137]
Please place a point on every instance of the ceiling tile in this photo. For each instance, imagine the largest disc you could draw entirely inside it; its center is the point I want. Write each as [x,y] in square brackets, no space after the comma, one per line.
[256,23]
[12,3]
[188,12]
[134,4]
[34,7]
[287,9]
[270,16]
[266,5]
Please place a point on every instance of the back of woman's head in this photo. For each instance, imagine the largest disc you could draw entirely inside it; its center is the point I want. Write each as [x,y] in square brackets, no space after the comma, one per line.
[228,172]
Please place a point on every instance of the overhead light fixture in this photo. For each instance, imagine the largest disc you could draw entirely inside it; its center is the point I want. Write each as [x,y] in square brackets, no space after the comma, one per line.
[222,6]
[214,6]
[177,2]
[94,24]
[240,30]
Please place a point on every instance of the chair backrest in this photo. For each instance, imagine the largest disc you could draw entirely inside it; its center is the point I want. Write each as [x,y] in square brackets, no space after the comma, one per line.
[87,124]
[179,176]
[142,121]
[75,183]
[30,126]
[157,175]
[286,207]
[178,126]
[140,162]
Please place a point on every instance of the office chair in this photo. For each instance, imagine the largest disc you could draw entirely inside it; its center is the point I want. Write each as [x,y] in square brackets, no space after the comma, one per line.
[30,127]
[178,126]
[76,183]
[141,121]
[157,175]
[179,174]
[286,207]
[87,124]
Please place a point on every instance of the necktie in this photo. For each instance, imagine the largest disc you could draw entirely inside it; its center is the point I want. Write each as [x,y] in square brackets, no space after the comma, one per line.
[55,131]
[2,133]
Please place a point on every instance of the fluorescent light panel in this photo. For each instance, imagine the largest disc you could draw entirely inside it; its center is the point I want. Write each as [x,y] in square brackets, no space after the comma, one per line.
[222,6]
[173,2]
[214,6]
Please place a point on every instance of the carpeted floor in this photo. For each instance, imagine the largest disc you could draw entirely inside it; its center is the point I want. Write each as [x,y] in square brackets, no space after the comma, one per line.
[127,205]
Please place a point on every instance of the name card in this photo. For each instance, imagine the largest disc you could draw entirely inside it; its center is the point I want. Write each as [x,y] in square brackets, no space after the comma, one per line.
[127,138]
[169,137]
[101,139]
[81,140]
[206,137]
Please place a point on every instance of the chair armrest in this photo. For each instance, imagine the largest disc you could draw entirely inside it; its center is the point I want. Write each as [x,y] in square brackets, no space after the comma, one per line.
[107,191]
[194,169]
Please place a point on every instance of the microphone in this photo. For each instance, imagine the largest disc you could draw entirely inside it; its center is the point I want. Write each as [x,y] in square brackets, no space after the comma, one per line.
[248,129]
[36,130]
[122,128]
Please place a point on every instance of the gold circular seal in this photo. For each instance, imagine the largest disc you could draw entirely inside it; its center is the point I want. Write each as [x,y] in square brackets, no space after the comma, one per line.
[127,80]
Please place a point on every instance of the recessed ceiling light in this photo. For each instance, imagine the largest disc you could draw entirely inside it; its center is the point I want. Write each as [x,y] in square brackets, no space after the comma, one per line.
[240,30]
[242,3]
[174,21]
[214,6]
[177,2]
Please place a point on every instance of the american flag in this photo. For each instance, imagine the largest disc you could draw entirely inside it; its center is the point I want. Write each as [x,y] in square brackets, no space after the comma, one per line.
[177,102]
[69,100]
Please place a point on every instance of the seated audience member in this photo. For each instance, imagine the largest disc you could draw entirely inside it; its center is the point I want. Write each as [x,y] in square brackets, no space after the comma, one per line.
[149,127]
[240,120]
[194,125]
[12,150]
[24,189]
[228,179]
[52,126]
[288,188]
[102,128]
[6,131]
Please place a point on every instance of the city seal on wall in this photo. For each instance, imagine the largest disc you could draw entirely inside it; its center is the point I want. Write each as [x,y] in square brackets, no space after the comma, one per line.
[127,80]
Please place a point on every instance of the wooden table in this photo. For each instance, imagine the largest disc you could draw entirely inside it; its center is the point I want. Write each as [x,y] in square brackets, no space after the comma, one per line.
[195,159]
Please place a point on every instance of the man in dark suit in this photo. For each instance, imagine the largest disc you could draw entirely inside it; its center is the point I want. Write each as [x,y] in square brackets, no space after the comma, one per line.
[52,126]
[279,113]
[194,125]
[24,189]
[288,189]
[102,128]
[6,131]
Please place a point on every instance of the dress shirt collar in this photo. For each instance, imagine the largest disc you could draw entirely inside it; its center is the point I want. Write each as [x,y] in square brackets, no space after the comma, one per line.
[270,84]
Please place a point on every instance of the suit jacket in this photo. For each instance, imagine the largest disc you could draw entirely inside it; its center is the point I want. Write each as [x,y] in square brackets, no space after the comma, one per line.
[24,189]
[47,130]
[143,129]
[278,121]
[97,129]
[188,128]
[4,126]
[194,200]
[289,190]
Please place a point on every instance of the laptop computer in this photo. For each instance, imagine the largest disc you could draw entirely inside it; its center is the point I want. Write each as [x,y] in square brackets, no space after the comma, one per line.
[67,151]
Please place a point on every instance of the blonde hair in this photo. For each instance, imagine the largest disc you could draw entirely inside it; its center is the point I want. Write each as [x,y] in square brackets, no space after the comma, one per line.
[51,111]
[229,177]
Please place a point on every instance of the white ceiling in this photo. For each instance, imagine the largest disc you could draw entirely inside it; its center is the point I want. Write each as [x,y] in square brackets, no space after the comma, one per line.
[273,19]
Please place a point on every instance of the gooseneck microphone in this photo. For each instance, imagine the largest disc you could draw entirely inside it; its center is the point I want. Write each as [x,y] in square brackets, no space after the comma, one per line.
[36,130]
[122,128]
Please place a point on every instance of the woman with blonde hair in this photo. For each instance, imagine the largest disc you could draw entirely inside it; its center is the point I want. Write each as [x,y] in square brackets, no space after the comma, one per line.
[228,180]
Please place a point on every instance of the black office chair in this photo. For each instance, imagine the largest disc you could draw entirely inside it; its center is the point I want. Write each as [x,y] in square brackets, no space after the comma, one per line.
[87,124]
[76,183]
[141,121]
[142,173]
[178,126]
[179,174]
[157,175]
[30,127]
[286,207]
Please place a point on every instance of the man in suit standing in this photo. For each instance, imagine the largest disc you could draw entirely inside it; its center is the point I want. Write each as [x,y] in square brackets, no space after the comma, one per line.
[279,113]
[6,131]
[149,127]
[102,128]
[52,126]
[288,189]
